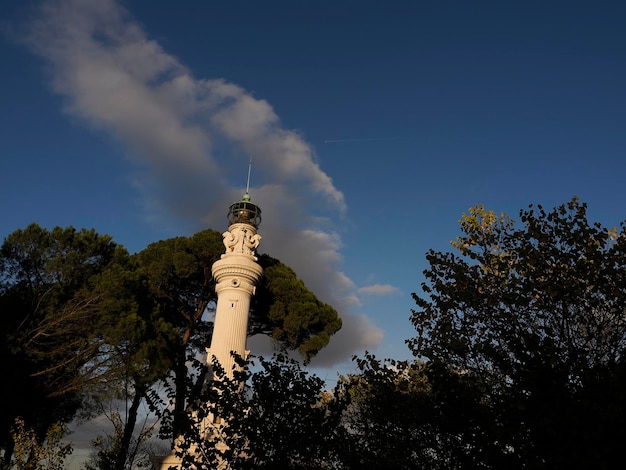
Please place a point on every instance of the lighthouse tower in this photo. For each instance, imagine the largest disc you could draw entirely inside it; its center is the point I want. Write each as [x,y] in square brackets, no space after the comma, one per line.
[236,275]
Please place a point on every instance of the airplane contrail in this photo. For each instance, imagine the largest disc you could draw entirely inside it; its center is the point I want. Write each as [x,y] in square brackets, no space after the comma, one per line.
[336,141]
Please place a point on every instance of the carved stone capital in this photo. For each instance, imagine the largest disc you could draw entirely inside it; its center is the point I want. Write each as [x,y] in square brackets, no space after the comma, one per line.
[241,238]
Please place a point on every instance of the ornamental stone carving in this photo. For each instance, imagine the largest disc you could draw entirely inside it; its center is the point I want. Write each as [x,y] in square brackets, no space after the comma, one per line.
[241,239]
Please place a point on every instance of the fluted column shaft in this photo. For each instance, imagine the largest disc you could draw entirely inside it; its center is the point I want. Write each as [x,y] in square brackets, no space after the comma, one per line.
[236,275]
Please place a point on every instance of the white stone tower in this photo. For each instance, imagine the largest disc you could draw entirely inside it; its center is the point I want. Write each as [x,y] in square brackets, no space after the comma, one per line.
[236,275]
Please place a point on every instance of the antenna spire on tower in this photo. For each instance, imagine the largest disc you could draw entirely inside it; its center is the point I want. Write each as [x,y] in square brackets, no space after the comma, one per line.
[249,168]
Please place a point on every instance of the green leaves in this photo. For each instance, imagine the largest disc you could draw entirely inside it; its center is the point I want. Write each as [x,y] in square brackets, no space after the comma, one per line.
[81,317]
[52,322]
[298,319]
[535,309]
[178,272]
[31,454]
[281,419]
[179,275]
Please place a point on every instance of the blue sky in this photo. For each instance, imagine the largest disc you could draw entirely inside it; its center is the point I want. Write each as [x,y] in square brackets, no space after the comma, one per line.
[372,126]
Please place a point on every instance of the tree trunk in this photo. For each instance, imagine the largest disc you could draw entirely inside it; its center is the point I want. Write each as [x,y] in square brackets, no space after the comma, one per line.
[180,397]
[8,454]
[129,428]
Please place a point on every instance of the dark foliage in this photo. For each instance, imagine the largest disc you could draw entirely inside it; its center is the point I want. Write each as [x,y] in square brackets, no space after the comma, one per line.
[537,314]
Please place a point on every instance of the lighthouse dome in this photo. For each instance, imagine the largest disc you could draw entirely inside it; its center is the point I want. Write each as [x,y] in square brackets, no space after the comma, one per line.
[244,212]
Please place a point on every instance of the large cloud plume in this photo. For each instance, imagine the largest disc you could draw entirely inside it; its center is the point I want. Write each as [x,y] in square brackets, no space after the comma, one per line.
[188,137]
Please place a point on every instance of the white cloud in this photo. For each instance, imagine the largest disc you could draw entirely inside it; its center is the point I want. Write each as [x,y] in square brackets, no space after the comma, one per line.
[113,76]
[379,289]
